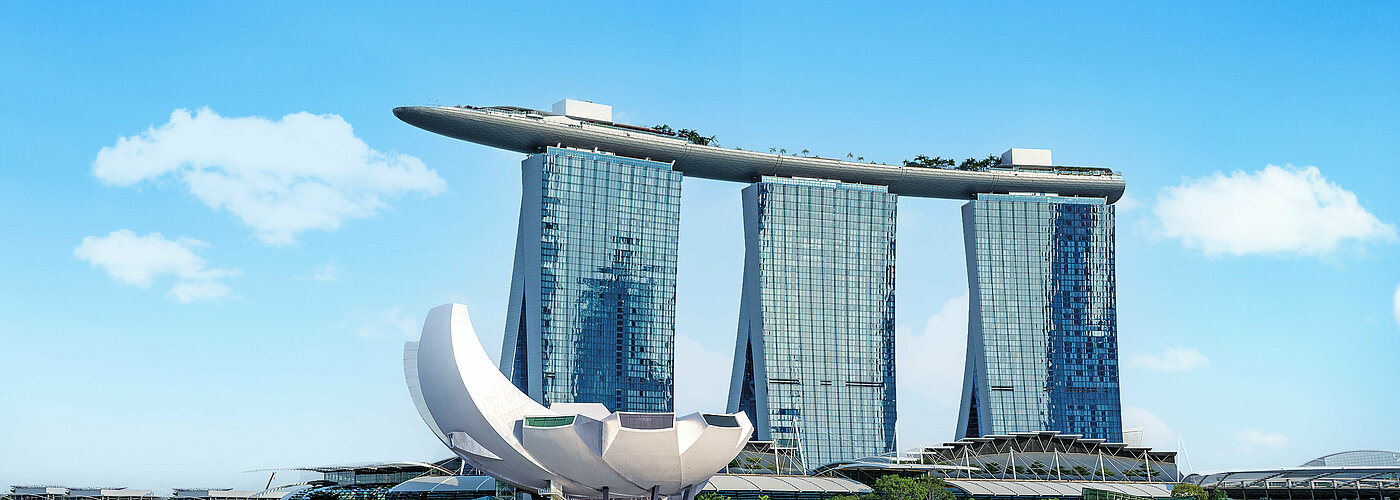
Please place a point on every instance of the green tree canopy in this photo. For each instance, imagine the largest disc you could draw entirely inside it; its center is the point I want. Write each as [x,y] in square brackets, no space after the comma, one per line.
[695,137]
[940,162]
[895,487]
[1191,490]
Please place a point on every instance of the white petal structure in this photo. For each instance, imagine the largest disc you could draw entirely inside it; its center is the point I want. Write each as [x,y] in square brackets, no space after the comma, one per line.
[577,450]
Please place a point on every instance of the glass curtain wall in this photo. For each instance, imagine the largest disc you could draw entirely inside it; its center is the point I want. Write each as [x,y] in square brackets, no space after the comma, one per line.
[592,311]
[814,361]
[1042,331]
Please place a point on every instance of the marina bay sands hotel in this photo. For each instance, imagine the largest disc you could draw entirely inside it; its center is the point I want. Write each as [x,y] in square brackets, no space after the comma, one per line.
[593,292]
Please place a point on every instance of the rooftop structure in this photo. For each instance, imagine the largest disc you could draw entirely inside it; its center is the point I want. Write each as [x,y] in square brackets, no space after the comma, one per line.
[529,131]
[780,487]
[996,489]
[444,488]
[45,492]
[226,494]
[1330,482]
[1040,456]
[1372,458]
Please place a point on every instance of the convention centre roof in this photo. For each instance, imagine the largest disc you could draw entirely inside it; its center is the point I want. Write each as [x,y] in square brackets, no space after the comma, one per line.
[1063,489]
[764,483]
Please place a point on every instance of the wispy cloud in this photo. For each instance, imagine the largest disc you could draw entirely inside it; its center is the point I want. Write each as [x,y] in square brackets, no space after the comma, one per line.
[141,260]
[1253,439]
[392,323]
[932,360]
[280,178]
[1397,305]
[324,274]
[1277,210]
[930,368]
[1155,432]
[1171,359]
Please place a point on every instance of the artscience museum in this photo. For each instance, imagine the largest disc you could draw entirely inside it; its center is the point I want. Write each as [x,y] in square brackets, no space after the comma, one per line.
[565,449]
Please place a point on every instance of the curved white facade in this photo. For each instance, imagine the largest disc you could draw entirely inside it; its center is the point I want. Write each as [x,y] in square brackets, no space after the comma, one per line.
[579,450]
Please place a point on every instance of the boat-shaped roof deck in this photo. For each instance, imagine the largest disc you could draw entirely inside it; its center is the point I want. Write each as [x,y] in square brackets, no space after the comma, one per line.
[528,131]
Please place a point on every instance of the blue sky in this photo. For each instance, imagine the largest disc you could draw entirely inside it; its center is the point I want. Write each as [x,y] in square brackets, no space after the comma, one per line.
[191,294]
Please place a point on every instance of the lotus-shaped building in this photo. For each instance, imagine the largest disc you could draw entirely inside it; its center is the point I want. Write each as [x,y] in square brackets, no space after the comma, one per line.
[573,450]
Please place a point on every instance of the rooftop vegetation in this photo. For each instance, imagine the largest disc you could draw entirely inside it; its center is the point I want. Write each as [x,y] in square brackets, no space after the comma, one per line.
[972,164]
[693,136]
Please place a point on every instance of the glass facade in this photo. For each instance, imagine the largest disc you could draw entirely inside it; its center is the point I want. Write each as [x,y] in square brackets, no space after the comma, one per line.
[814,361]
[1042,331]
[593,295]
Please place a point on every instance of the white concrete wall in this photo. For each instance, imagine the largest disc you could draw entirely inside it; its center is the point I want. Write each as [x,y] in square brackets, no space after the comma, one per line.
[584,109]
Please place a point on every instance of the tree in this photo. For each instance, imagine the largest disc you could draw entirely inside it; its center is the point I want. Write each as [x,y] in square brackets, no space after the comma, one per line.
[850,155]
[782,150]
[895,487]
[926,162]
[665,129]
[805,152]
[1190,490]
[696,138]
[772,150]
[980,165]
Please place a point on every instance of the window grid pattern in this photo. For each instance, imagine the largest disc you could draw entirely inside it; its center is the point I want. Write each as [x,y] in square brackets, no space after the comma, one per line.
[826,300]
[608,246]
[1045,310]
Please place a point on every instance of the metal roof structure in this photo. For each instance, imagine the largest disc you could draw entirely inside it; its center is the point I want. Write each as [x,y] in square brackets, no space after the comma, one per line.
[1386,478]
[1063,489]
[225,494]
[1043,442]
[370,467]
[446,483]
[527,131]
[1037,456]
[774,483]
[1375,458]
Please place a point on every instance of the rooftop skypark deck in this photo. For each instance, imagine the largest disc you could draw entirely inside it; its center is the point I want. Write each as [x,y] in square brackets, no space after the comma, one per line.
[528,131]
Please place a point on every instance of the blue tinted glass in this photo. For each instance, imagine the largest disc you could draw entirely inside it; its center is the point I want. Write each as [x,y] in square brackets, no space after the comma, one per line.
[596,262]
[817,318]
[1043,335]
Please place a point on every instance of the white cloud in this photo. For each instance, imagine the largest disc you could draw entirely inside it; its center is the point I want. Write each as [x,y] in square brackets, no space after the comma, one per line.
[392,323]
[324,274]
[1397,305]
[1277,210]
[1155,432]
[1171,359]
[141,260]
[1127,203]
[930,368]
[280,177]
[1251,439]
[702,377]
